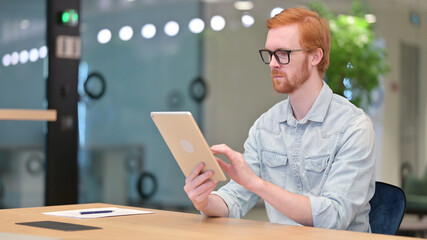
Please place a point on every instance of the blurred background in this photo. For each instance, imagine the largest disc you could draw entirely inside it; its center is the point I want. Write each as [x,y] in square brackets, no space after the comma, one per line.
[139,56]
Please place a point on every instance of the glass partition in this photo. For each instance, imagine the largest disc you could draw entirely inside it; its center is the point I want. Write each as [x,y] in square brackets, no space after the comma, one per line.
[137,57]
[22,85]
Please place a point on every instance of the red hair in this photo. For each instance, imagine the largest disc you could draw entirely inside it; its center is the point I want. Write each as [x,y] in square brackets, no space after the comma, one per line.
[313,31]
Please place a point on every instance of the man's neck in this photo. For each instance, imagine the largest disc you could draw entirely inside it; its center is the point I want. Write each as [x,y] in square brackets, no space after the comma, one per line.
[304,97]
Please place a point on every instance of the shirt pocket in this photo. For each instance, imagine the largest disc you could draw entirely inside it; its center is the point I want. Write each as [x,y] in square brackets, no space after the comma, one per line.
[274,167]
[315,169]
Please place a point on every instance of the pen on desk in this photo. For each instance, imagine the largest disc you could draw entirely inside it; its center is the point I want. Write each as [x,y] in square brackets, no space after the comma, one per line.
[96,212]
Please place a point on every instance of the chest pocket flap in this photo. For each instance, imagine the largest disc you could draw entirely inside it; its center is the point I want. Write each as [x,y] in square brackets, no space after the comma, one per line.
[316,164]
[274,159]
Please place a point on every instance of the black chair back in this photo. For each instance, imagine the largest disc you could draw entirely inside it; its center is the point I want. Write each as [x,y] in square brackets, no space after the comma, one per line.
[387,208]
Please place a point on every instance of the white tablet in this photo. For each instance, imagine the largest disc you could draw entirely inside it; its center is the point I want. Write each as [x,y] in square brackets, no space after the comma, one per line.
[186,142]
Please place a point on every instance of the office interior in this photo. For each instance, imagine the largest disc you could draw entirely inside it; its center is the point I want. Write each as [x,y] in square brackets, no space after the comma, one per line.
[201,56]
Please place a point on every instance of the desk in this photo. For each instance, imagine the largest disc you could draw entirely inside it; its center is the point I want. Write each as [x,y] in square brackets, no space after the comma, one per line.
[166,225]
[28,115]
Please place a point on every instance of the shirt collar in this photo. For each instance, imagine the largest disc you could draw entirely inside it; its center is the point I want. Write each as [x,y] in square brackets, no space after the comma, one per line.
[317,112]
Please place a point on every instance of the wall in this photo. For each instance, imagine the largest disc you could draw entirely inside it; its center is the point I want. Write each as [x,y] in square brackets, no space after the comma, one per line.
[395,28]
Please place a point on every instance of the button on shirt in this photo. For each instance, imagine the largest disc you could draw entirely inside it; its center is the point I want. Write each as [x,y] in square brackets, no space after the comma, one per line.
[329,156]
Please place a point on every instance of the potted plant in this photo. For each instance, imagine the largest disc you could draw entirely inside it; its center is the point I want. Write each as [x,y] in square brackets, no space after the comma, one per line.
[356,62]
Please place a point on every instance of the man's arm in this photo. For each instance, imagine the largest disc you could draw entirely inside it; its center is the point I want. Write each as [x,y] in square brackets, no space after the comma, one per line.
[296,207]
[198,187]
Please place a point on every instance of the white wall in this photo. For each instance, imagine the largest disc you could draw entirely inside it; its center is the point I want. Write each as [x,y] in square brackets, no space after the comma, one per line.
[395,28]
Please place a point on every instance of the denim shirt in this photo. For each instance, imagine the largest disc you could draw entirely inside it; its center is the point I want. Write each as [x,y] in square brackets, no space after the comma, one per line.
[329,156]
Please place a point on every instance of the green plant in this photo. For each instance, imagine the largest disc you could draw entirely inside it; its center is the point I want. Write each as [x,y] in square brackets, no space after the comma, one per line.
[356,63]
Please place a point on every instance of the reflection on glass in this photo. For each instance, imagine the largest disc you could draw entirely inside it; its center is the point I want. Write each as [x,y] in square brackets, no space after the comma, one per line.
[43,52]
[24,24]
[171,28]
[125,33]
[148,31]
[23,56]
[196,25]
[15,58]
[34,55]
[104,36]
[6,60]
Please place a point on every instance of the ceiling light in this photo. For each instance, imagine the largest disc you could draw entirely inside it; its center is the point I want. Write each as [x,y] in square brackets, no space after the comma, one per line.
[243,5]
[370,18]
[248,20]
[275,11]
[217,23]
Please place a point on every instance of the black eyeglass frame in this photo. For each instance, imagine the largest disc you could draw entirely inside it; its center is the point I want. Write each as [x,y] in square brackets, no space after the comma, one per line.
[273,53]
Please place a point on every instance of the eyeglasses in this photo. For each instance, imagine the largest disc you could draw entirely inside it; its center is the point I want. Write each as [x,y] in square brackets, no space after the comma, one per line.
[282,56]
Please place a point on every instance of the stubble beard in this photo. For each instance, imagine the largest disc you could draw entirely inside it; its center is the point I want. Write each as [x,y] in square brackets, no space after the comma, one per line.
[288,86]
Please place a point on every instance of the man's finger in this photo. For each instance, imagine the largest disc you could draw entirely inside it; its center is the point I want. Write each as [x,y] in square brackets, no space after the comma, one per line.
[195,183]
[205,187]
[195,172]
[203,177]
[224,166]
[205,194]
[225,150]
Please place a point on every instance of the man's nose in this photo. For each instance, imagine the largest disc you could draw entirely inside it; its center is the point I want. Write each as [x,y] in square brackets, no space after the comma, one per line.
[274,63]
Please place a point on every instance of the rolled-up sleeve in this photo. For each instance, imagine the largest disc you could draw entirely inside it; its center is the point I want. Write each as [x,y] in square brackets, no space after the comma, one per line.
[345,196]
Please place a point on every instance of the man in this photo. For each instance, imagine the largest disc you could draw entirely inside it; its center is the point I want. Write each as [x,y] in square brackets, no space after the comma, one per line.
[311,156]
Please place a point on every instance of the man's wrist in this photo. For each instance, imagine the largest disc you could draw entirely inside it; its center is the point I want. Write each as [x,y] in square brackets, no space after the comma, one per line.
[215,207]
[256,184]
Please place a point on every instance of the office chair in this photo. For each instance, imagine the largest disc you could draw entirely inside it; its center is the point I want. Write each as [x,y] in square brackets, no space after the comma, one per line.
[387,208]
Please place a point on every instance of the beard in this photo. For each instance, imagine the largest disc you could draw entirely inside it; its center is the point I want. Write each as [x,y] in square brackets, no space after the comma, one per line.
[287,85]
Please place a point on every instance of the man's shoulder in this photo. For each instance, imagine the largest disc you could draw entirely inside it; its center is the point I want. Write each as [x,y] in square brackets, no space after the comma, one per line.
[277,111]
[341,110]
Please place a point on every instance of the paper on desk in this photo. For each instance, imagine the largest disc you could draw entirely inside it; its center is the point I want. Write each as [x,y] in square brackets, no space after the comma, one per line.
[16,236]
[115,212]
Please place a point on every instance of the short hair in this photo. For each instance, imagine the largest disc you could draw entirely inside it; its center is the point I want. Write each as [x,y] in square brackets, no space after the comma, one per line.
[313,31]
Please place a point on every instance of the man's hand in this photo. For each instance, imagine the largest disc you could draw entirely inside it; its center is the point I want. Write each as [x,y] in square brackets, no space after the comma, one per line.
[238,169]
[198,187]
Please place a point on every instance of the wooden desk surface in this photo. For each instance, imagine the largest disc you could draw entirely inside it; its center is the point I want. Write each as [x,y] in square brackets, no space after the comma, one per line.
[166,225]
[28,114]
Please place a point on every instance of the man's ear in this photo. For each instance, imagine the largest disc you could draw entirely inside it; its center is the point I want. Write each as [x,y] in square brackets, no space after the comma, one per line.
[317,56]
